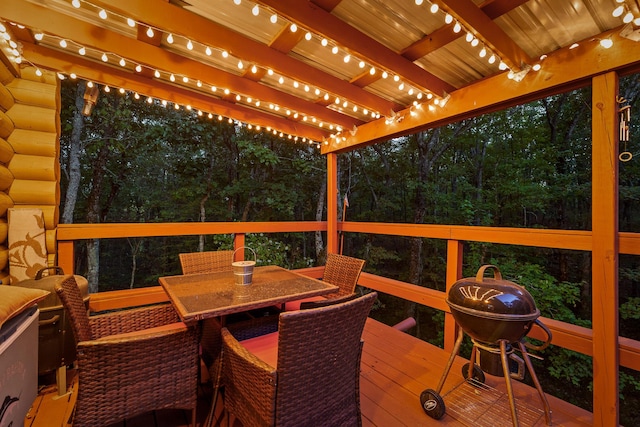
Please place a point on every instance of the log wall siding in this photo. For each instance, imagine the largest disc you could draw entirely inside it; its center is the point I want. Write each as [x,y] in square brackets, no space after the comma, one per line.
[29,152]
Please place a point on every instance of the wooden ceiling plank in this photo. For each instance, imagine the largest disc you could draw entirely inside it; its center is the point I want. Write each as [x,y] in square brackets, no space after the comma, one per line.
[499,92]
[483,27]
[445,35]
[177,20]
[319,21]
[116,77]
[64,26]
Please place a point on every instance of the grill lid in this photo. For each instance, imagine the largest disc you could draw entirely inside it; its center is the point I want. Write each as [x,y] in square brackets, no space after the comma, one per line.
[492,297]
[47,282]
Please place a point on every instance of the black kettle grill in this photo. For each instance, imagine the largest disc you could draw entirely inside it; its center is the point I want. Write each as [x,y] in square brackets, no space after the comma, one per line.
[497,315]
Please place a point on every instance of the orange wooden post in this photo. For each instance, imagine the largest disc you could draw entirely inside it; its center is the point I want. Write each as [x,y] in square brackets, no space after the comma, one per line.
[238,242]
[66,256]
[332,203]
[454,272]
[604,206]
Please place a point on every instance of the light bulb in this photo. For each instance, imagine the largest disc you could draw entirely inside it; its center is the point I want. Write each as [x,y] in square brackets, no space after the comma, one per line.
[102,14]
[122,62]
[150,32]
[82,51]
[131,22]
[606,43]
[189,45]
[618,11]
[274,18]
[172,78]
[293,28]
[208,51]
[434,8]
[170,38]
[105,58]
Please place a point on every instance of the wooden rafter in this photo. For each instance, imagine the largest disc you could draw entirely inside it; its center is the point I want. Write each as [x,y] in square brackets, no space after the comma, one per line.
[117,77]
[177,20]
[444,35]
[309,15]
[499,92]
[158,58]
[482,26]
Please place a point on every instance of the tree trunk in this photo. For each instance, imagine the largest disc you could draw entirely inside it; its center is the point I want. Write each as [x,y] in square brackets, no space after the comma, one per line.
[94,210]
[74,177]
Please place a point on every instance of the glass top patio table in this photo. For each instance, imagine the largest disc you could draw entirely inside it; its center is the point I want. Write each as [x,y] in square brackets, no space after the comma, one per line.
[201,296]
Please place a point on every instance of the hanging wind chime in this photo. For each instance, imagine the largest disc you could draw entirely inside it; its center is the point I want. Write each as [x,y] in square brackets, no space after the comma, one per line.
[624,118]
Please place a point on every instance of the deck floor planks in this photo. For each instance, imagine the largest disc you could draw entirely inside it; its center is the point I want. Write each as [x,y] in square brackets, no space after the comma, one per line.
[395,368]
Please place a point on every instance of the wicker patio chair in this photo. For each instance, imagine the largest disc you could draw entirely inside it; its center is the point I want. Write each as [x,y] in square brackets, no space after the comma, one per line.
[340,270]
[131,361]
[206,262]
[306,374]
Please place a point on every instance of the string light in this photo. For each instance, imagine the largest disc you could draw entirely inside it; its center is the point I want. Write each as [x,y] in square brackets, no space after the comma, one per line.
[293,27]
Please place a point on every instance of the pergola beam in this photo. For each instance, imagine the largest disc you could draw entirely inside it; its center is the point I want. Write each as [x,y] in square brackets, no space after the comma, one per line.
[483,27]
[311,16]
[171,18]
[499,92]
[115,77]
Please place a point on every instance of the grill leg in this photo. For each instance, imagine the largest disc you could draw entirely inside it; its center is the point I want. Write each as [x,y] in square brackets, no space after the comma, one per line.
[534,378]
[507,379]
[454,353]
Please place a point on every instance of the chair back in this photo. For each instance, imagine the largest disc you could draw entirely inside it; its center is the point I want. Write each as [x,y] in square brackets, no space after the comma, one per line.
[206,262]
[342,271]
[71,298]
[318,369]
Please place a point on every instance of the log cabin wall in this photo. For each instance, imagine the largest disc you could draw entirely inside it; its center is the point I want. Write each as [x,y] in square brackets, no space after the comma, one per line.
[29,152]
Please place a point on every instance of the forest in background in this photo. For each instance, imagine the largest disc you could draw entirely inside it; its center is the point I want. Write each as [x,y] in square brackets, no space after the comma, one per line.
[528,166]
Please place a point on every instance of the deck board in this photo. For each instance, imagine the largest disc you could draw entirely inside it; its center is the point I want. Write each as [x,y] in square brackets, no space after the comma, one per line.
[396,368]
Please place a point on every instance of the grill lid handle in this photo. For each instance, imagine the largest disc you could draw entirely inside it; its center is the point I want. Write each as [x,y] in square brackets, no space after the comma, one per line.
[480,274]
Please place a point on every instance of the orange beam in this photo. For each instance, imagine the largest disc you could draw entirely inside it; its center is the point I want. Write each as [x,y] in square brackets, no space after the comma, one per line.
[332,203]
[135,51]
[312,16]
[604,269]
[171,18]
[115,77]
[483,27]
[498,92]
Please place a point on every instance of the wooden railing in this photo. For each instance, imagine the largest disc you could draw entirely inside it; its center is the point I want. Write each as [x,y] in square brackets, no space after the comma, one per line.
[565,335]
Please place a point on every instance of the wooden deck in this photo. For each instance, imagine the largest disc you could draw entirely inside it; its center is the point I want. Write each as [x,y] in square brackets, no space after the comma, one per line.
[396,368]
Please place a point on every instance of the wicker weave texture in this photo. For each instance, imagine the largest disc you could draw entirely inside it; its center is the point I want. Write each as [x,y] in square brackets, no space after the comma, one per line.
[206,262]
[342,271]
[122,376]
[317,378]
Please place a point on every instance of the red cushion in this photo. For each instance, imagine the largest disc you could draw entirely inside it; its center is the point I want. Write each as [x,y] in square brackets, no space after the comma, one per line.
[264,347]
[295,305]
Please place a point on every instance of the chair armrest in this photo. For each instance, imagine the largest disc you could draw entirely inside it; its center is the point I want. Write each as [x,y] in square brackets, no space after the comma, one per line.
[250,383]
[123,321]
[305,305]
